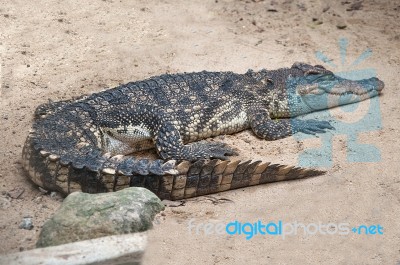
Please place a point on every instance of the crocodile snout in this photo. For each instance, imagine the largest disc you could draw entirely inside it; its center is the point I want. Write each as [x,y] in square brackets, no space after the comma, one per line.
[379,84]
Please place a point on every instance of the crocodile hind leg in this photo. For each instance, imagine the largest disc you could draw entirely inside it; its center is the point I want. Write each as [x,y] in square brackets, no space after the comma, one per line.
[264,127]
[157,125]
[169,145]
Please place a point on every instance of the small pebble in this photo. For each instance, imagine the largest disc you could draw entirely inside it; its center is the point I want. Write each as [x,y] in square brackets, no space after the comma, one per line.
[341,25]
[355,6]
[56,196]
[169,203]
[43,191]
[38,199]
[317,20]
[4,203]
[26,223]
[16,192]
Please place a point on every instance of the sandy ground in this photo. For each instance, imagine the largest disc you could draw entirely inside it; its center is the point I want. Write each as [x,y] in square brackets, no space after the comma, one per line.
[60,49]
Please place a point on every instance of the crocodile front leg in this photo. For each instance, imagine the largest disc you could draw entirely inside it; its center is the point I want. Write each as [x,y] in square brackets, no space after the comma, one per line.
[272,129]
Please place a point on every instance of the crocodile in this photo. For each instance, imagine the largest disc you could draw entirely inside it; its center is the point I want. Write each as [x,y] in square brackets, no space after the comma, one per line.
[89,143]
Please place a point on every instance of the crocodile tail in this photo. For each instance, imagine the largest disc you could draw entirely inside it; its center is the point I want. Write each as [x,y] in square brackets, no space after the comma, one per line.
[173,182]
[212,176]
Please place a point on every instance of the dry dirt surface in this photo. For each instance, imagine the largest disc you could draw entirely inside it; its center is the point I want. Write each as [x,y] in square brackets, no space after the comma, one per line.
[61,49]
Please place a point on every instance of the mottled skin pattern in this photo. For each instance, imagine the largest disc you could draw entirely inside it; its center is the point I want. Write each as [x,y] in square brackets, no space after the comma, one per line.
[82,144]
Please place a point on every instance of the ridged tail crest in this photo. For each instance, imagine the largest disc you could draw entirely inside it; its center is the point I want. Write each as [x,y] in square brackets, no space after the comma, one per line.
[212,176]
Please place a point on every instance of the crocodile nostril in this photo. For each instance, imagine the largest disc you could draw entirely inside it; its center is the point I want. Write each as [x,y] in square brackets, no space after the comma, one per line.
[381,85]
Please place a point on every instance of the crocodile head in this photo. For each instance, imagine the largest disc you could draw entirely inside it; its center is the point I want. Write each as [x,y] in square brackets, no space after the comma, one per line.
[329,90]
[300,93]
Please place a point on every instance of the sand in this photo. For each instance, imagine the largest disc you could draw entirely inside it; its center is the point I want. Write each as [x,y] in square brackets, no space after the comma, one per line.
[62,49]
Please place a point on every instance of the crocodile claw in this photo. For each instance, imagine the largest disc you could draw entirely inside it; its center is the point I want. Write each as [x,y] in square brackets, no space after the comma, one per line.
[311,126]
[220,151]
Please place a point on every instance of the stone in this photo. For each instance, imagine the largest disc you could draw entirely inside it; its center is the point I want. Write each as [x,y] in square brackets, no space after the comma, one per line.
[341,24]
[56,196]
[85,216]
[116,250]
[358,5]
[16,192]
[26,223]
[5,203]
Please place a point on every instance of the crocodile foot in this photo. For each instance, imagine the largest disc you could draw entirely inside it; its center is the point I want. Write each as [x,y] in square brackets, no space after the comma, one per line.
[214,149]
[311,126]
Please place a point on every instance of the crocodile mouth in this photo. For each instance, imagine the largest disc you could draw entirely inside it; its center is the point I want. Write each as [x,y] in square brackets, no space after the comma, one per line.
[329,91]
[342,87]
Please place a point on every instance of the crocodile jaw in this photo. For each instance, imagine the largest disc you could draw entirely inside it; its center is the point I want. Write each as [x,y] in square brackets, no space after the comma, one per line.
[337,91]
